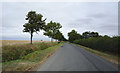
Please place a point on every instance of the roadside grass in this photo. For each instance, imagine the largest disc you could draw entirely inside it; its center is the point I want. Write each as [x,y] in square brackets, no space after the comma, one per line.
[17,51]
[108,56]
[30,61]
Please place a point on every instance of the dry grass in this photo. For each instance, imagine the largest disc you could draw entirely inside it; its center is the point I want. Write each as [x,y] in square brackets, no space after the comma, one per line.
[14,52]
[12,42]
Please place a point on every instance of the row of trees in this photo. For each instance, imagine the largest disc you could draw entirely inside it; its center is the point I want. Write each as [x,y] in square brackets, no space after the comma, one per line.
[95,41]
[52,30]
[73,35]
[36,23]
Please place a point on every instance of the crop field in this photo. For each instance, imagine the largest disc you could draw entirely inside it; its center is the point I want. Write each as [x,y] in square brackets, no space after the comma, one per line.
[12,42]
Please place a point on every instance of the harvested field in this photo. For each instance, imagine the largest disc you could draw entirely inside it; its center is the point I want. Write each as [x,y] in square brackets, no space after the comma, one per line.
[12,42]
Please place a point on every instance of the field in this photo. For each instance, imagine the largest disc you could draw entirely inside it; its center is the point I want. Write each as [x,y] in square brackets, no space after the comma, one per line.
[12,42]
[21,55]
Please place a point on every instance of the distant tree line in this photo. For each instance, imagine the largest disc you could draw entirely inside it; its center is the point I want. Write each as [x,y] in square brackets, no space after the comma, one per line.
[95,41]
[36,23]
[73,35]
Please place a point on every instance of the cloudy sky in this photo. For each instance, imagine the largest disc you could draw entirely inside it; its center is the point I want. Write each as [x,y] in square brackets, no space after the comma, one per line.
[101,17]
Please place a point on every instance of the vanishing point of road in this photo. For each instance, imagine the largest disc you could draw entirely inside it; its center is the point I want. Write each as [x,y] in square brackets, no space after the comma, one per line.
[73,58]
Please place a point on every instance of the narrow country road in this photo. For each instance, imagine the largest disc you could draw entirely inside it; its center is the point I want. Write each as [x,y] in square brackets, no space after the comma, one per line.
[73,58]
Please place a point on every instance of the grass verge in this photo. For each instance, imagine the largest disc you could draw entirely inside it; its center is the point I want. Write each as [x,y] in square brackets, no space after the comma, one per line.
[110,57]
[14,52]
[28,62]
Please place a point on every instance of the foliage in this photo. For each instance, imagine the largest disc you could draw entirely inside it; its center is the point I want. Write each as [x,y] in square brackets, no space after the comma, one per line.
[90,34]
[73,35]
[103,43]
[51,29]
[59,36]
[35,23]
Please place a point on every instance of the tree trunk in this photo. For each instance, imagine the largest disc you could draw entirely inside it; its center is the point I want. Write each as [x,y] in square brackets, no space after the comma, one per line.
[51,40]
[31,38]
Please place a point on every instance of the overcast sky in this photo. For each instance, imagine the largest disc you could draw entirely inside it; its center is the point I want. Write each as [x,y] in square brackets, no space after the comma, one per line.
[101,17]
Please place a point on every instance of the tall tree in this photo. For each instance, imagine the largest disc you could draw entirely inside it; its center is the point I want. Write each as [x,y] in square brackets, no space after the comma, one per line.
[51,29]
[34,24]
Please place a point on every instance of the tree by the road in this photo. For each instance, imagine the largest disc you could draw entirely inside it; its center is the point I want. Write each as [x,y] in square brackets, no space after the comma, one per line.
[51,29]
[73,35]
[59,36]
[34,24]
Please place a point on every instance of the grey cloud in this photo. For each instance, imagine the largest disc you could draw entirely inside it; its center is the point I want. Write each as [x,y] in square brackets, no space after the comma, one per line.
[98,15]
[80,22]
[85,20]
[109,27]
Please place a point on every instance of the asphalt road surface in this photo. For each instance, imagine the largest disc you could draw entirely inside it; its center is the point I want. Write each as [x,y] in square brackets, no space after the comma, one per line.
[73,58]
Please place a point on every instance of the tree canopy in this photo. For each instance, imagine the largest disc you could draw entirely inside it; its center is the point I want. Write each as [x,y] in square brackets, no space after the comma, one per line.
[59,36]
[51,29]
[73,35]
[34,24]
[90,34]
